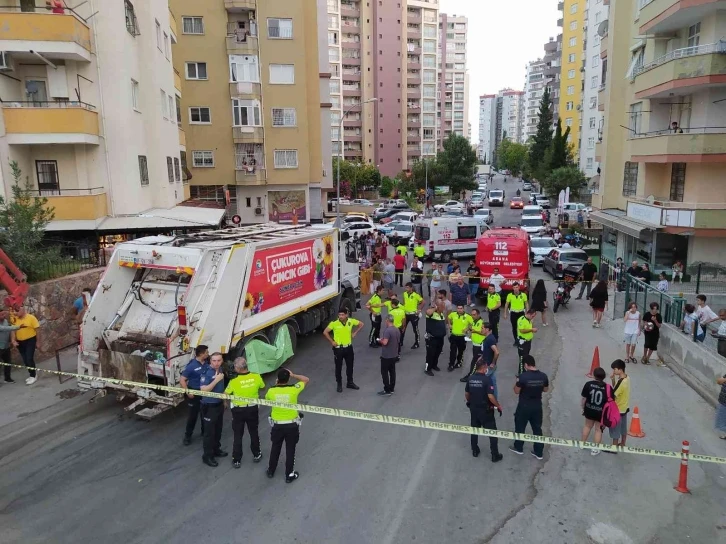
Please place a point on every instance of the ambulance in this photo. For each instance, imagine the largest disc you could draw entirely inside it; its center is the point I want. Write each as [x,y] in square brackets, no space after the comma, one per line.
[444,238]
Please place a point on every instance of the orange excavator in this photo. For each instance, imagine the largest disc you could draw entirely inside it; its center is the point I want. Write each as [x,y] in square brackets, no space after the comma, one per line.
[13,281]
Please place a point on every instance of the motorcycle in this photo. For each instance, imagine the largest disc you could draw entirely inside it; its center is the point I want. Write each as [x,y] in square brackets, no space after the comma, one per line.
[561,295]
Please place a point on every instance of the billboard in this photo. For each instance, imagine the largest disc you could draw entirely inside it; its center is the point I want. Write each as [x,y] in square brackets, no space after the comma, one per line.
[442,190]
[286,206]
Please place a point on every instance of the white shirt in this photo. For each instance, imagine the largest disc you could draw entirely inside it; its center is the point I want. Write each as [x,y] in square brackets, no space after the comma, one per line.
[663,286]
[722,329]
[705,314]
[632,324]
[566,246]
[496,280]
[436,278]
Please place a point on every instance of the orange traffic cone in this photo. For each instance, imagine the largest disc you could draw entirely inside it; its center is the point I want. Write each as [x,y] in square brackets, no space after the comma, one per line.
[682,486]
[595,362]
[635,429]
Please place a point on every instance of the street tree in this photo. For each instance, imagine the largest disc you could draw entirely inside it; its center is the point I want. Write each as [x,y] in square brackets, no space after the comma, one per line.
[542,140]
[387,185]
[458,163]
[512,156]
[561,178]
[560,148]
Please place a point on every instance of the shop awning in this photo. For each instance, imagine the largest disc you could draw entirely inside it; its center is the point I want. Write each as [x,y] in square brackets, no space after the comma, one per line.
[616,219]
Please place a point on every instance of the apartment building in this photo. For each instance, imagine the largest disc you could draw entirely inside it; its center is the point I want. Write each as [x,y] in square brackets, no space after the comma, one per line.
[487,127]
[500,116]
[453,93]
[592,118]
[572,81]
[553,66]
[534,86]
[256,105]
[661,193]
[89,113]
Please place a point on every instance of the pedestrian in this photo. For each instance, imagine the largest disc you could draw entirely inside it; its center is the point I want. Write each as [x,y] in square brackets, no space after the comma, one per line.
[652,322]
[412,306]
[721,408]
[435,334]
[662,283]
[635,270]
[598,302]
[631,331]
[447,303]
[720,334]
[459,292]
[437,278]
[26,339]
[494,304]
[474,274]
[377,274]
[459,323]
[399,262]
[384,247]
[389,276]
[390,341]
[587,276]
[419,251]
[417,274]
[246,384]
[525,334]
[402,248]
[593,398]
[395,310]
[530,386]
[496,279]
[453,263]
[285,422]
[455,276]
[211,380]
[580,219]
[539,300]
[705,314]
[587,218]
[476,329]
[481,401]
[690,324]
[190,379]
[645,274]
[516,305]
[344,330]
[677,269]
[6,334]
[80,305]
[621,392]
[374,305]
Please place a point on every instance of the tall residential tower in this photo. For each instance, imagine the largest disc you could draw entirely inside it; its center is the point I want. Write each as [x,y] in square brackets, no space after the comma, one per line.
[453,93]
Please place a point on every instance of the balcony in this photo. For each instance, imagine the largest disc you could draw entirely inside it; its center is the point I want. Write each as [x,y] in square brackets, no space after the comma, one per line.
[414,33]
[240,5]
[350,44]
[560,22]
[355,107]
[351,76]
[247,174]
[354,123]
[666,213]
[413,150]
[413,18]
[352,137]
[245,89]
[350,27]
[682,71]
[413,122]
[351,91]
[346,10]
[182,138]
[29,123]
[415,65]
[661,16]
[560,6]
[53,35]
[696,144]
[248,135]
[240,41]
[76,204]
[177,80]
[351,61]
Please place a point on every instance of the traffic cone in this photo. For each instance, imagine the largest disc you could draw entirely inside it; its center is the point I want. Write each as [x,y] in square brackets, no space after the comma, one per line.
[595,362]
[635,429]
[682,486]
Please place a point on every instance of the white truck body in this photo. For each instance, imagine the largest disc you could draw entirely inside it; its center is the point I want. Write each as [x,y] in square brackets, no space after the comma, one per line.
[233,285]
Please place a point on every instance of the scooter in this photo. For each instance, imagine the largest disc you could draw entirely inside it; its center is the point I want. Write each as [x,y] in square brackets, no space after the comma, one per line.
[561,295]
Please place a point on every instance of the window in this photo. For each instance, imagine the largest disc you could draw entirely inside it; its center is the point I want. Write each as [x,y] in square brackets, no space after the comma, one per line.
[571,57]
[280,29]
[285,158]
[183,160]
[596,40]
[282,74]
[200,115]
[244,69]
[203,159]
[132,25]
[635,115]
[164,112]
[573,8]
[177,100]
[593,102]
[166,46]
[332,37]
[573,42]
[591,143]
[284,117]
[468,233]
[571,74]
[630,178]
[332,21]
[573,25]
[694,35]
[246,113]
[177,169]
[170,169]
[593,82]
[48,182]
[135,94]
[192,25]
[570,90]
[595,61]
[678,181]
[592,122]
[598,17]
[590,163]
[143,170]
[158,35]
[568,122]
[569,106]
[171,108]
[196,70]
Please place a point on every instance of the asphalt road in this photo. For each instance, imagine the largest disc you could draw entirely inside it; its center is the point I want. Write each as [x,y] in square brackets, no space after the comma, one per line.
[102,475]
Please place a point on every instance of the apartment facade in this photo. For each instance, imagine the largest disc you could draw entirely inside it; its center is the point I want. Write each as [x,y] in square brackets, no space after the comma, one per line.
[256,105]
[572,81]
[553,66]
[89,115]
[453,93]
[534,86]
[661,193]
[487,127]
[500,116]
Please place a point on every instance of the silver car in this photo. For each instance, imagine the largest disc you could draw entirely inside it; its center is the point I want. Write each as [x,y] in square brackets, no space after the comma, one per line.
[558,259]
[539,247]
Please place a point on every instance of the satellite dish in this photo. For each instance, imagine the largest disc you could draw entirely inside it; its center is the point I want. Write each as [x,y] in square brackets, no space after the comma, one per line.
[602,29]
[650,199]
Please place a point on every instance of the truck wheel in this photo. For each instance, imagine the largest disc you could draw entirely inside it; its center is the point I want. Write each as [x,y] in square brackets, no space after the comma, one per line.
[446,256]
[293,337]
[347,304]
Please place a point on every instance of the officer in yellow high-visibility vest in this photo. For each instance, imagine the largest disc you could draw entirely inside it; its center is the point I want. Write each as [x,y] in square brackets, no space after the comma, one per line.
[396,311]
[516,305]
[459,323]
[525,334]
[402,249]
[344,330]
[477,339]
[419,251]
[245,384]
[494,304]
[412,305]
[375,305]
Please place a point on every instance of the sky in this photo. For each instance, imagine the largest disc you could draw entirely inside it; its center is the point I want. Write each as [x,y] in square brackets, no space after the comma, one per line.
[503,36]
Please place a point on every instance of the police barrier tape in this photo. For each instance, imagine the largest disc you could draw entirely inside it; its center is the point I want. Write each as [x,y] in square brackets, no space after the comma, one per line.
[396,420]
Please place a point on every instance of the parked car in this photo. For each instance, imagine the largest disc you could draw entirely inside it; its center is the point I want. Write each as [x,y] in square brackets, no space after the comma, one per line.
[407,215]
[532,225]
[477,203]
[378,212]
[516,203]
[558,259]
[543,201]
[485,215]
[533,197]
[359,228]
[574,207]
[334,202]
[532,211]
[387,228]
[449,205]
[540,248]
[527,186]
[361,202]
[401,234]
[385,217]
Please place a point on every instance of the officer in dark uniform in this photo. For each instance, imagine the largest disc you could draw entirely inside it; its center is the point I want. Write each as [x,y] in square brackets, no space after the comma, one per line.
[190,380]
[435,335]
[212,379]
[530,386]
[480,400]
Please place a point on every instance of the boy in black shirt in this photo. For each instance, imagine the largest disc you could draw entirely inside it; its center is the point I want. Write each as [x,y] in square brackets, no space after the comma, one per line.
[594,397]
[652,322]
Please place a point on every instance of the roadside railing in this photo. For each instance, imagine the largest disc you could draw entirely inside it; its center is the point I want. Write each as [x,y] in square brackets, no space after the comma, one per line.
[672,308]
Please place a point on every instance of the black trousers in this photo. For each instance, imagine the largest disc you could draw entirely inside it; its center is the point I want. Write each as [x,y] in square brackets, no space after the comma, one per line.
[241,416]
[411,319]
[457,348]
[376,321]
[194,405]
[340,355]
[481,417]
[434,347]
[27,353]
[289,433]
[523,348]
[476,353]
[398,279]
[494,322]
[388,373]
[529,413]
[585,285]
[213,415]
[513,317]
[5,358]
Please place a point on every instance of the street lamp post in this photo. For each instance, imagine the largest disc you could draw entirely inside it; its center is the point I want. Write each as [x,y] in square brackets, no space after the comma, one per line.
[340,157]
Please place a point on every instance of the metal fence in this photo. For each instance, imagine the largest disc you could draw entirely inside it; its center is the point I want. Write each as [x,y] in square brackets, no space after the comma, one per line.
[702,278]
[72,259]
[643,294]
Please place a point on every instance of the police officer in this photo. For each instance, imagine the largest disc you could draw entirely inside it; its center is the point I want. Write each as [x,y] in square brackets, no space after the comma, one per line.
[212,379]
[285,422]
[374,305]
[525,334]
[419,251]
[477,339]
[435,334]
[190,380]
[494,303]
[396,311]
[402,249]
[480,400]
[412,305]
[245,384]
[459,322]
[344,330]
[417,274]
[516,305]
[530,386]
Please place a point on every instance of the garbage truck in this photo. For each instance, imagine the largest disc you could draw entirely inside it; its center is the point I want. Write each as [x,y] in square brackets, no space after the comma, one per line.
[249,291]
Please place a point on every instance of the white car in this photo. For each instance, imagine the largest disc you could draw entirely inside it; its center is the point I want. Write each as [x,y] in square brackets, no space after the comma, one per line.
[574,207]
[405,216]
[543,201]
[362,202]
[540,248]
[449,206]
[402,233]
[484,215]
[360,228]
[533,198]
[532,225]
[496,197]
[477,203]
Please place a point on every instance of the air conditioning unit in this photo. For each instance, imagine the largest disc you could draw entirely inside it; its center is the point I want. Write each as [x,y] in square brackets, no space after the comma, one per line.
[579,107]
[258,211]
[5,63]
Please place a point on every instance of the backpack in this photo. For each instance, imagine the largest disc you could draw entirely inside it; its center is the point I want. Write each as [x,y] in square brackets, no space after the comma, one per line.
[610,412]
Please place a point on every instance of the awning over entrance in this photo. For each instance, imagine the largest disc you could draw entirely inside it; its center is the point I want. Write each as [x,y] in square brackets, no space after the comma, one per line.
[617,220]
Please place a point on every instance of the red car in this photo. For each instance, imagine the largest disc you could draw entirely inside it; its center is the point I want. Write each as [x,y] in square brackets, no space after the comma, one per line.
[516,203]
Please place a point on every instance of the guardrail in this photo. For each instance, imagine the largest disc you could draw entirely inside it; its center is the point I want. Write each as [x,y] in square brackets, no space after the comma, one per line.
[706,49]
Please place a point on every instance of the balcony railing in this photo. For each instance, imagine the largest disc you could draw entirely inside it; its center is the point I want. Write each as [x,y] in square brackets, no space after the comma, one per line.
[671,204]
[679,131]
[707,49]
[241,34]
[48,104]
[49,190]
